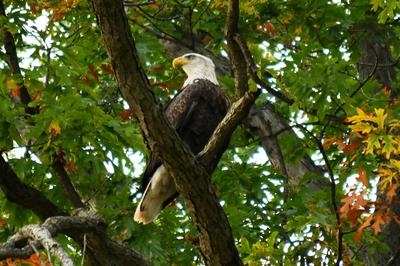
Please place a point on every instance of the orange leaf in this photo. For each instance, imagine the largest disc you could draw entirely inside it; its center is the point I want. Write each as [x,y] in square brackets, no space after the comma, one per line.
[351,147]
[391,193]
[2,223]
[153,6]
[15,92]
[387,91]
[362,177]
[365,224]
[353,216]
[328,142]
[379,219]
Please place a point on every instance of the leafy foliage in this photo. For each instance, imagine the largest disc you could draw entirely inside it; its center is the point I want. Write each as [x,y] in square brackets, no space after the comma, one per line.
[310,50]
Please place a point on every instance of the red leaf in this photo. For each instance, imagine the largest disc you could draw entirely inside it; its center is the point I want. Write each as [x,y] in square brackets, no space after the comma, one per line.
[158,69]
[2,223]
[269,27]
[107,68]
[94,72]
[86,79]
[125,115]
[206,40]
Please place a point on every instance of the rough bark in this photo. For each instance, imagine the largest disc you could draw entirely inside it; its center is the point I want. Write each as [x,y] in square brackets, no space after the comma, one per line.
[101,250]
[216,241]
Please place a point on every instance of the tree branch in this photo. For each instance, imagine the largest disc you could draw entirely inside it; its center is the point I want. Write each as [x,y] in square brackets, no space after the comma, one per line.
[43,235]
[25,196]
[238,62]
[216,240]
[238,111]
[66,183]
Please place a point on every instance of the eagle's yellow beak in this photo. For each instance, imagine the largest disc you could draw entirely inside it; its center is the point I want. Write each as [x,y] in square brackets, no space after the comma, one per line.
[179,61]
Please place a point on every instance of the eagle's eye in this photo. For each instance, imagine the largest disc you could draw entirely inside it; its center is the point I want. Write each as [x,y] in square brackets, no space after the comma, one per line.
[190,57]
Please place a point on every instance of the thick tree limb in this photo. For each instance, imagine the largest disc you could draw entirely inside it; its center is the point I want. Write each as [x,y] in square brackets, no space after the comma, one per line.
[44,237]
[216,240]
[101,250]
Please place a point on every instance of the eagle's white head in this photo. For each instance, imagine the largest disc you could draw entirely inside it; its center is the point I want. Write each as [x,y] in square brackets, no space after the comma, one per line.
[196,66]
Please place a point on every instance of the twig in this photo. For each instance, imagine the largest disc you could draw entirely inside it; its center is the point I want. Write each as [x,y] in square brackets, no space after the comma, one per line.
[84,249]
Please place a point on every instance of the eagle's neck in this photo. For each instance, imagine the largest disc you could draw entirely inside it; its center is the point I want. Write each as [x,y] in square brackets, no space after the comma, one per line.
[200,73]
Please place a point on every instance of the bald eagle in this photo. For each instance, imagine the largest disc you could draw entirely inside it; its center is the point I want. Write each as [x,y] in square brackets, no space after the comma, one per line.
[194,112]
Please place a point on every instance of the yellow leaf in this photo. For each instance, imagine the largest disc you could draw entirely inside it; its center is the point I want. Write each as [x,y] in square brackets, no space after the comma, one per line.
[388,147]
[380,118]
[54,128]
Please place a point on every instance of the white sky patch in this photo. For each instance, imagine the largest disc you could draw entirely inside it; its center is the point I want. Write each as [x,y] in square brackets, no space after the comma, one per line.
[260,157]
[39,24]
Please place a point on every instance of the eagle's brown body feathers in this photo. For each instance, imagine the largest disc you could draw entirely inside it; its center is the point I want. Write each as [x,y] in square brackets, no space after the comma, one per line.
[195,112]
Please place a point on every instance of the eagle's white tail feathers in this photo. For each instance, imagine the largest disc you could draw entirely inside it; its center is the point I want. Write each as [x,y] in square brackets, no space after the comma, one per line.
[160,188]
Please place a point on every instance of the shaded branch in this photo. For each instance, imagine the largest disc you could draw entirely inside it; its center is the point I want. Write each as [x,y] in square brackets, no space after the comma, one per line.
[25,196]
